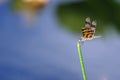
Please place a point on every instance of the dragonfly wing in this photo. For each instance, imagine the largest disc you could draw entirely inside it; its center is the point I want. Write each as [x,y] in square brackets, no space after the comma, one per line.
[97,36]
[87,22]
[93,25]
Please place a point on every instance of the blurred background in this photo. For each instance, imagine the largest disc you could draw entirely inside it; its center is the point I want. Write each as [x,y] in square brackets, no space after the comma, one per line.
[38,39]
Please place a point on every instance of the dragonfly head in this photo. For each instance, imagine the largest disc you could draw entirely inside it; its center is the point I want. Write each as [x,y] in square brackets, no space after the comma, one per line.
[81,39]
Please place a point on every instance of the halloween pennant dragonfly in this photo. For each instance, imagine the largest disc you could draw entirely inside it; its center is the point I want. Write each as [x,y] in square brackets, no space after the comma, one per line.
[88,31]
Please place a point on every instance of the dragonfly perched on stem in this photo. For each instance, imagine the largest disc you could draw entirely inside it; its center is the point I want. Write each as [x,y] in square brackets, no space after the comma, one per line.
[88,31]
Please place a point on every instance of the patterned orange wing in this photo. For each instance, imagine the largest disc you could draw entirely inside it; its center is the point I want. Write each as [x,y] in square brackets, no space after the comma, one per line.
[89,29]
[87,33]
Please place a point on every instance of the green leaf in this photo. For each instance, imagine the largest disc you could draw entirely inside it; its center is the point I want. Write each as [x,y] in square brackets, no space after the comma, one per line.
[72,15]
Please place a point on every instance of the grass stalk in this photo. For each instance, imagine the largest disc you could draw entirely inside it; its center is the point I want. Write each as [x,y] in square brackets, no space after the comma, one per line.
[81,61]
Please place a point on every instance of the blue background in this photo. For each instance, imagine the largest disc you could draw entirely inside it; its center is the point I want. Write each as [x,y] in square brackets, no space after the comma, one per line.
[45,51]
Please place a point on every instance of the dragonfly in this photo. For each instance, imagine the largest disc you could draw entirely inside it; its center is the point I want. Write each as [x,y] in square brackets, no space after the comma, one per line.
[88,30]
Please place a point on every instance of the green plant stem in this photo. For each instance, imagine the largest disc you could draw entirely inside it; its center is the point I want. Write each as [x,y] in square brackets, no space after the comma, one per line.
[81,61]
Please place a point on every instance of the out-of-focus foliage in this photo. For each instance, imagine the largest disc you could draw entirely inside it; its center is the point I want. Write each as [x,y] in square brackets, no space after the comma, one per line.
[28,7]
[16,4]
[72,15]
